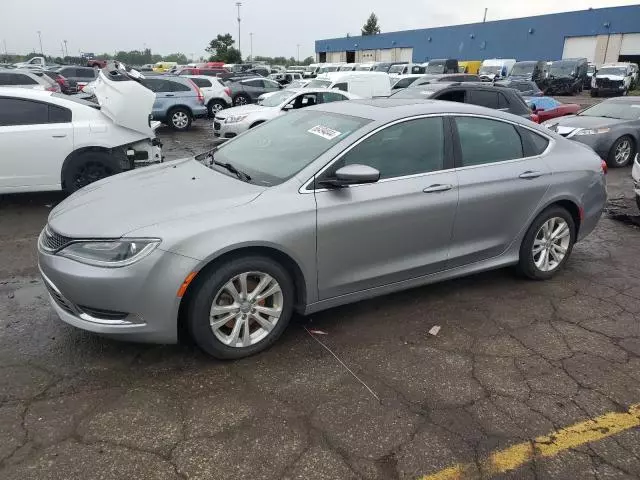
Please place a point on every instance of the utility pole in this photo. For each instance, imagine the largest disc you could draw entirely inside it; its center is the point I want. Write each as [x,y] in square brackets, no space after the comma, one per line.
[66,49]
[62,49]
[251,37]
[239,4]
[40,38]
[298,52]
[485,15]
[6,53]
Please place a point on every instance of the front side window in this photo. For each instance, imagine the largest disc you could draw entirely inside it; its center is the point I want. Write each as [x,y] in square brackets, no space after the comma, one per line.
[407,148]
[304,100]
[176,87]
[341,86]
[484,98]
[16,111]
[20,79]
[253,83]
[328,97]
[285,145]
[487,141]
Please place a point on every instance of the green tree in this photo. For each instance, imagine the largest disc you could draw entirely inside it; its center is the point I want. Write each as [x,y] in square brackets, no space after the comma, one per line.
[371,27]
[308,61]
[179,58]
[222,50]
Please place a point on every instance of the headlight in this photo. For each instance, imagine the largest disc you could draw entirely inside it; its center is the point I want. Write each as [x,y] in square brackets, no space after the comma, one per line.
[235,118]
[592,131]
[111,253]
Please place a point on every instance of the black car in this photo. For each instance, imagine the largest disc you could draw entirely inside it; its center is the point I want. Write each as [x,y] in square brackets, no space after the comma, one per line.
[529,70]
[566,77]
[78,75]
[611,128]
[527,88]
[476,93]
[442,65]
[451,77]
[247,90]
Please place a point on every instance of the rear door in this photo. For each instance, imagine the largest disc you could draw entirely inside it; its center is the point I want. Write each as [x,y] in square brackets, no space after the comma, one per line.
[396,229]
[503,177]
[161,103]
[35,138]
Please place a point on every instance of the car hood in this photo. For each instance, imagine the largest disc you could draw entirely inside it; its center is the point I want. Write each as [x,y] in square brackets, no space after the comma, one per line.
[610,77]
[570,123]
[244,110]
[120,204]
[126,102]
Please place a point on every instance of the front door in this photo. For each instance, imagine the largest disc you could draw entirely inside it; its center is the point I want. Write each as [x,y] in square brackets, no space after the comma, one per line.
[502,178]
[398,228]
[35,138]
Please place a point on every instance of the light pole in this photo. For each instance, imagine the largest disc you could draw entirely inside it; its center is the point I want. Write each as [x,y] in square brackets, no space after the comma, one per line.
[251,37]
[66,49]
[239,4]
[40,39]
[298,52]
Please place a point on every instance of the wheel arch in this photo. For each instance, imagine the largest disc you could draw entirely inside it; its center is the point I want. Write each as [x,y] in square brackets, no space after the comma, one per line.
[179,105]
[81,151]
[284,259]
[256,123]
[570,205]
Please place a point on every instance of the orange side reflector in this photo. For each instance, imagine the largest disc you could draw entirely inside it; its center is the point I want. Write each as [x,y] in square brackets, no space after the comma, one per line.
[183,288]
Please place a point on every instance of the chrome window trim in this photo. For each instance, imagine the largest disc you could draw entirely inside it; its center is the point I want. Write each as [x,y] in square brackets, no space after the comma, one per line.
[303,189]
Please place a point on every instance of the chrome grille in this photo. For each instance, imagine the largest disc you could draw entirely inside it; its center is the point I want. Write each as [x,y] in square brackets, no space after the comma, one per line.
[217,125]
[52,241]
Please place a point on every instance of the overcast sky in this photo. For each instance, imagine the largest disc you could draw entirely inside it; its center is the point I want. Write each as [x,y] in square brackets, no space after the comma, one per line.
[278,25]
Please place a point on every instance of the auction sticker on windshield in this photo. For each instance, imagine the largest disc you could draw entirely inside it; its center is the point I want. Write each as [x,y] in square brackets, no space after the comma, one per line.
[324,132]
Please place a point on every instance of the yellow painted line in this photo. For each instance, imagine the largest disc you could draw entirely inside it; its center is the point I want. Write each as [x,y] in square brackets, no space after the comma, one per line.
[514,457]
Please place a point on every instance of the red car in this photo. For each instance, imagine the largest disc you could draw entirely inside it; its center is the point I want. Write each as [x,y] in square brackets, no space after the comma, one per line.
[546,108]
[210,71]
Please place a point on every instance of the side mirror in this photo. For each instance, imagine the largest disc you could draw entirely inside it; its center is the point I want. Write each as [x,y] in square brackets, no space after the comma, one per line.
[287,107]
[352,175]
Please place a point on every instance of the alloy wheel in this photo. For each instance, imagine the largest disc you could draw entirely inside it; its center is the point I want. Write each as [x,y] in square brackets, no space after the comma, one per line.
[551,244]
[246,309]
[216,107]
[241,100]
[623,151]
[180,120]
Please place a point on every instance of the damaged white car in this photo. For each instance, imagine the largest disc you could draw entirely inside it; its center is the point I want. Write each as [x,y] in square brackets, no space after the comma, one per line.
[50,141]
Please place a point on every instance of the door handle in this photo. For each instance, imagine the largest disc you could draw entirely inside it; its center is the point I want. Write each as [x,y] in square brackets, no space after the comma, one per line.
[59,136]
[529,174]
[169,95]
[437,188]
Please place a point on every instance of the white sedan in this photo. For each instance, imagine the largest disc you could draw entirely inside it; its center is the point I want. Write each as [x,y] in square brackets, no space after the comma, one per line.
[234,121]
[50,141]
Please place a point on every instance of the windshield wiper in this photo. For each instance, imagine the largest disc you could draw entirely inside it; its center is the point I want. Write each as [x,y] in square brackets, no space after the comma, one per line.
[238,173]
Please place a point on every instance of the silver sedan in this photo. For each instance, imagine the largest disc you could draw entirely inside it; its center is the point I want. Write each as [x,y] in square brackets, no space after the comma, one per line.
[317,208]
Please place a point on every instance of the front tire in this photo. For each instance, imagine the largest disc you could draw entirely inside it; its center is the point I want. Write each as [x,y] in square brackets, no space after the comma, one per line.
[180,119]
[241,307]
[548,244]
[88,167]
[622,152]
[594,93]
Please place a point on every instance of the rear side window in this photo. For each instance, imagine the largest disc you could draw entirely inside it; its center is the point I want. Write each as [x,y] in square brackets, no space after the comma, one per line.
[153,84]
[20,79]
[341,86]
[503,102]
[484,98]
[253,83]
[533,144]
[67,72]
[176,87]
[202,82]
[86,73]
[16,111]
[59,114]
[485,141]
[5,79]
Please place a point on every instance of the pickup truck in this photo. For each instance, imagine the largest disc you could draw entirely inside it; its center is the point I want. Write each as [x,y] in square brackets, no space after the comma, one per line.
[35,62]
[96,63]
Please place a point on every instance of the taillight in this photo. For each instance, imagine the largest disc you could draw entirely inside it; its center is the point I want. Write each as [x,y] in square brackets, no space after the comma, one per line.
[605,167]
[53,89]
[198,91]
[534,118]
[227,90]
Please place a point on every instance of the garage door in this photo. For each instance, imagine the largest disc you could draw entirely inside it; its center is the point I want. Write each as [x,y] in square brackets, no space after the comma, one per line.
[404,55]
[386,55]
[630,44]
[577,47]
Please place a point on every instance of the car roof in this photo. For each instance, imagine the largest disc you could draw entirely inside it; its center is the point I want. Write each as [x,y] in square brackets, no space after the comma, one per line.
[20,70]
[390,109]
[25,93]
[628,99]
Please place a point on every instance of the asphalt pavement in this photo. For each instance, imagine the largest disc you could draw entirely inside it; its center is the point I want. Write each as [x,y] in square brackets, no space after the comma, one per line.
[524,379]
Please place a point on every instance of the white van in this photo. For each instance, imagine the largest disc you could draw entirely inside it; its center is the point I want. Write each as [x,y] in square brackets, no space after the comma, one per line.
[363,84]
[496,69]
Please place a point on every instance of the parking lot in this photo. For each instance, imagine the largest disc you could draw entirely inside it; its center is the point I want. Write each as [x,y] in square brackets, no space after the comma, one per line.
[513,364]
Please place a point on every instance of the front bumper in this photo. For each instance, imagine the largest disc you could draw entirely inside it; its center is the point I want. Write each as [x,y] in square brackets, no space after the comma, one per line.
[601,143]
[225,131]
[136,303]
[199,111]
[635,173]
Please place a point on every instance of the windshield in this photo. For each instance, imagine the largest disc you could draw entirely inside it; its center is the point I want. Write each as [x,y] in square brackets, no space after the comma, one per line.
[364,68]
[328,69]
[490,69]
[435,67]
[397,69]
[319,83]
[621,71]
[282,147]
[298,84]
[346,68]
[522,69]
[623,111]
[310,69]
[382,67]
[275,99]
[562,69]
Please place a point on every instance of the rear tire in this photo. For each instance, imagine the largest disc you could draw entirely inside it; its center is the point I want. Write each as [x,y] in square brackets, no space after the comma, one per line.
[88,167]
[215,106]
[241,99]
[539,244]
[622,152]
[212,290]
[179,118]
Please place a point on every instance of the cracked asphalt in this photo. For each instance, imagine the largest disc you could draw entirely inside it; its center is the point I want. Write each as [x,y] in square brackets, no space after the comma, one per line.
[514,360]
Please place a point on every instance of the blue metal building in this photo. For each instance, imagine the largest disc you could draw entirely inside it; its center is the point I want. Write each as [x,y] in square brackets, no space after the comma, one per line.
[601,35]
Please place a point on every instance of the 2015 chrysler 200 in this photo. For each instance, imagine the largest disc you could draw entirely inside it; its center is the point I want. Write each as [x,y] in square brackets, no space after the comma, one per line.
[320,207]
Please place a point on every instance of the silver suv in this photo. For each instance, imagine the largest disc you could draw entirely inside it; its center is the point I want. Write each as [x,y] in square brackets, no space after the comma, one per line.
[27,79]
